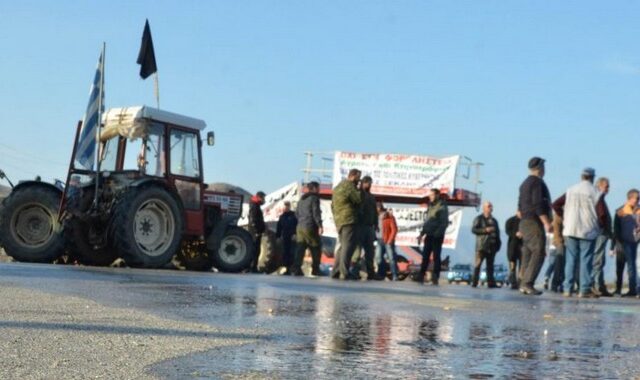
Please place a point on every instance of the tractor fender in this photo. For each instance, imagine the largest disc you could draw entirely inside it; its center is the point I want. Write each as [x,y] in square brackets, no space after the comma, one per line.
[142,182]
[215,237]
[26,184]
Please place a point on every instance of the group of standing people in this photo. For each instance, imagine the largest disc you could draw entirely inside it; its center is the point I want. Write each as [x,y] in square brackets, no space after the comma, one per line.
[579,221]
[360,221]
[582,228]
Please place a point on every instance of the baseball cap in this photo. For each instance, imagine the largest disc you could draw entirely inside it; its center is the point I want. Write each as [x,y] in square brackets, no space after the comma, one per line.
[536,162]
[591,172]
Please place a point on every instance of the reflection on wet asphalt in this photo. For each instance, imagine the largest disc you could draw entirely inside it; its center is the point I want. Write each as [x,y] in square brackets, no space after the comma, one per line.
[319,328]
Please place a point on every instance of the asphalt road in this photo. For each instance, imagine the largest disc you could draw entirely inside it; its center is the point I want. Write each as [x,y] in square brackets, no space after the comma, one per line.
[119,323]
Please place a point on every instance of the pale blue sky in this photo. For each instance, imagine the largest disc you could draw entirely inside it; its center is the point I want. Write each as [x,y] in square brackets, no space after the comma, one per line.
[498,81]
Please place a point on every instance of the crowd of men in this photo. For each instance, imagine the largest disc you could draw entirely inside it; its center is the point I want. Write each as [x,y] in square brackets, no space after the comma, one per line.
[579,221]
[582,228]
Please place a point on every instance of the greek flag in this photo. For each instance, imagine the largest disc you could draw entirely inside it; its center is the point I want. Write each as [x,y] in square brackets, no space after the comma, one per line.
[86,152]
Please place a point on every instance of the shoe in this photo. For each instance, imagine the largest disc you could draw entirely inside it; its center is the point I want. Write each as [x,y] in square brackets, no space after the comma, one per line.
[566,294]
[492,286]
[603,292]
[546,285]
[530,291]
[298,273]
[588,295]
[474,285]
[629,294]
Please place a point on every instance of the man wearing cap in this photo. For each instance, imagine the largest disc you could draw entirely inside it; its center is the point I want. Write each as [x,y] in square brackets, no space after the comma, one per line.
[534,205]
[581,228]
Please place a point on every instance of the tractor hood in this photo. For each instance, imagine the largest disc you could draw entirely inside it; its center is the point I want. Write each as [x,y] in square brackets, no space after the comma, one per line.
[131,122]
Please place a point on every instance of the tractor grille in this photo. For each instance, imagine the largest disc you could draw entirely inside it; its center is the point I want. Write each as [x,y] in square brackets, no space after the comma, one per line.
[229,204]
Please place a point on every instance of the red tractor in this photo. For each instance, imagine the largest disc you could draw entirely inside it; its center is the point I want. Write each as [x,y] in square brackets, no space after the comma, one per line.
[148,204]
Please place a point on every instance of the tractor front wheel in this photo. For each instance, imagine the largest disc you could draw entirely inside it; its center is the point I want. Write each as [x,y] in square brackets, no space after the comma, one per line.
[147,227]
[29,225]
[235,252]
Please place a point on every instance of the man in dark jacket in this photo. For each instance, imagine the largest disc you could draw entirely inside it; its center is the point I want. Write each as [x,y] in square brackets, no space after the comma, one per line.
[309,230]
[285,230]
[534,205]
[367,226]
[514,247]
[433,231]
[345,203]
[256,225]
[487,232]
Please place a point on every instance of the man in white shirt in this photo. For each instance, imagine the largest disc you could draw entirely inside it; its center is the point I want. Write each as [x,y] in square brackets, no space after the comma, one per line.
[581,229]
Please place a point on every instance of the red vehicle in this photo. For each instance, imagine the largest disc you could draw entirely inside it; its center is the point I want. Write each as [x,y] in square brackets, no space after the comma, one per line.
[148,204]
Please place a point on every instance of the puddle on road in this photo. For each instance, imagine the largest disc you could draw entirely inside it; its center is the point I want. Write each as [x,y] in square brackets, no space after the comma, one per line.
[333,336]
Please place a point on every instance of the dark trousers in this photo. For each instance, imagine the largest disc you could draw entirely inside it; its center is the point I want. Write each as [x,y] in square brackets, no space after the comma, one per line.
[431,245]
[558,270]
[620,262]
[307,239]
[367,237]
[288,251]
[257,241]
[533,250]
[480,257]
[348,243]
[515,264]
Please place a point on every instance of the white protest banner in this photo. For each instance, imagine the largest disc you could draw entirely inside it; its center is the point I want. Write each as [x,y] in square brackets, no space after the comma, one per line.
[274,204]
[399,174]
[409,221]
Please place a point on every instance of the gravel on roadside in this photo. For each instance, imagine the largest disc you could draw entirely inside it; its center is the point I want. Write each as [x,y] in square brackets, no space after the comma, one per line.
[52,336]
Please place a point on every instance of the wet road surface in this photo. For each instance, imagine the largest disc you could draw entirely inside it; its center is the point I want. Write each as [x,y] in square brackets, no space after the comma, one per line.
[319,328]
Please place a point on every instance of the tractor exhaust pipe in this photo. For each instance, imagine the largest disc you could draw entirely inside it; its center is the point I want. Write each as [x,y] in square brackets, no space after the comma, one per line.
[4,176]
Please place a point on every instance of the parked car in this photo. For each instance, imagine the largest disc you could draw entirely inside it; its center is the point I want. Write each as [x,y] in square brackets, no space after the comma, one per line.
[459,273]
[500,274]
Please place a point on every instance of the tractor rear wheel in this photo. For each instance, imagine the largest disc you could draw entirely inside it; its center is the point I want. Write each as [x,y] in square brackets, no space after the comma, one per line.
[29,225]
[147,227]
[235,252]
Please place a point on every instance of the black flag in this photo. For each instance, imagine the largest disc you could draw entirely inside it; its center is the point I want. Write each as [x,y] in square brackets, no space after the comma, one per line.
[146,56]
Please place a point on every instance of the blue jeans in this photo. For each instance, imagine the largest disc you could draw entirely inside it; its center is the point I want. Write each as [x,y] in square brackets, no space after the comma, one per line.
[380,253]
[582,250]
[630,254]
[599,258]
[393,259]
[551,265]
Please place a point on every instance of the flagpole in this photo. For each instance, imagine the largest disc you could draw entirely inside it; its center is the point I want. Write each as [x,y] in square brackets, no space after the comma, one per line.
[156,88]
[99,127]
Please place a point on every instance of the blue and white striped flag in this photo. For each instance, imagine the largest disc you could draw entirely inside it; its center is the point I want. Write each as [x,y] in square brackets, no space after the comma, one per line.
[86,152]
